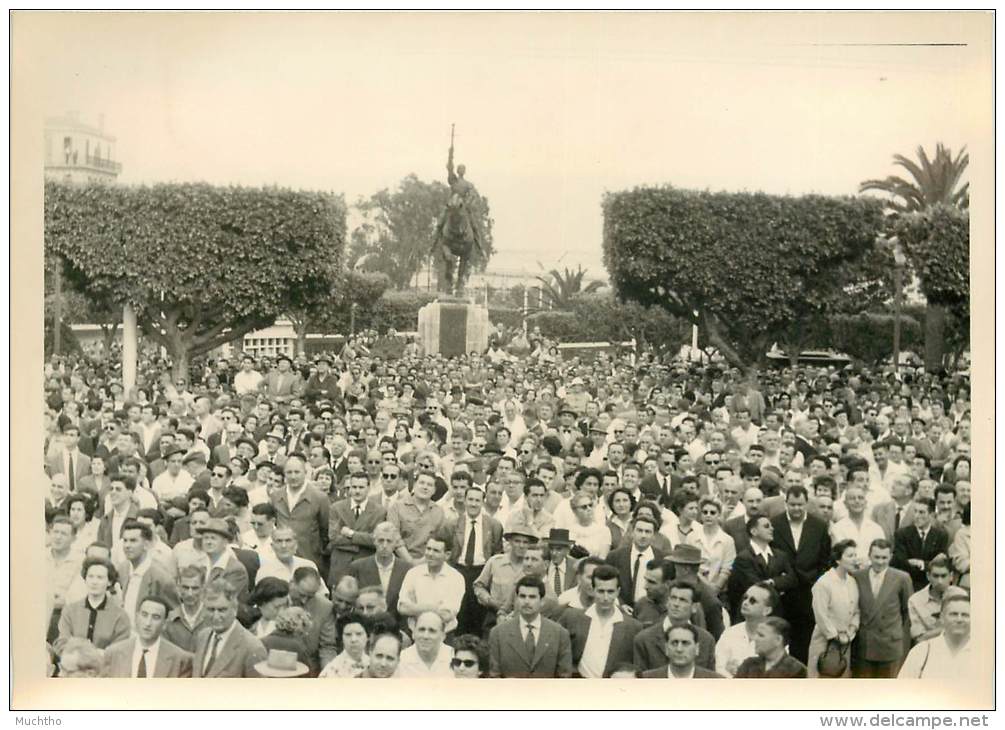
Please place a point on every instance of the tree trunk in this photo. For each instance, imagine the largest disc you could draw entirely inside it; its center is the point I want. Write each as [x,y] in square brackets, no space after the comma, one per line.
[302,338]
[935,325]
[707,323]
[179,367]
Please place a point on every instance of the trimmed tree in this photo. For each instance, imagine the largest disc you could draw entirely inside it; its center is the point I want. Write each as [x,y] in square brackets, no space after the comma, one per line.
[748,268]
[936,241]
[201,265]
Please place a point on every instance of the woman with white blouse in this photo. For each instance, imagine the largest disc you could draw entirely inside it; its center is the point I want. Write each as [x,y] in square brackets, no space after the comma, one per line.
[718,550]
[835,606]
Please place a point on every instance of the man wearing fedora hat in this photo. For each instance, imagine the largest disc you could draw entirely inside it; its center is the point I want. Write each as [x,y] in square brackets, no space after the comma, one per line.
[220,560]
[494,587]
[273,453]
[686,560]
[322,385]
[282,384]
[561,574]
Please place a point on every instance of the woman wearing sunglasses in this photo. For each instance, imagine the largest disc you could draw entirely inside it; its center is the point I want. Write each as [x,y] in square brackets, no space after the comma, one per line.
[471,657]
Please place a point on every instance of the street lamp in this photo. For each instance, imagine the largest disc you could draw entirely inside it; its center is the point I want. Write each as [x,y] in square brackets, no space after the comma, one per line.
[899,259]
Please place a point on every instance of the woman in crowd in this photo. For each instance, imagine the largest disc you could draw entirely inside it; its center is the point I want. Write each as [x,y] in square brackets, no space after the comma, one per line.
[471,658]
[80,507]
[97,618]
[718,551]
[622,505]
[270,596]
[835,607]
[353,660]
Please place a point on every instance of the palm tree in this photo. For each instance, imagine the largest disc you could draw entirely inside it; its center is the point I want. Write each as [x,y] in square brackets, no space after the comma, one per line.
[933,182]
[559,288]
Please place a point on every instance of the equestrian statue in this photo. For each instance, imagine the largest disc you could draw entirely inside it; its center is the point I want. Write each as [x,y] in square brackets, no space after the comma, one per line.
[457,232]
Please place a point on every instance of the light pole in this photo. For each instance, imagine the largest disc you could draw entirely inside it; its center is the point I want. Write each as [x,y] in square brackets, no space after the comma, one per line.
[898,285]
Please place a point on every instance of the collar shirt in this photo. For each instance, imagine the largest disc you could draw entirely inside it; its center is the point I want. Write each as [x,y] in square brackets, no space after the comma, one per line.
[734,645]
[925,611]
[150,660]
[639,589]
[247,381]
[294,498]
[540,524]
[62,571]
[443,589]
[525,626]
[718,551]
[862,534]
[571,598]
[796,528]
[276,568]
[689,675]
[876,580]
[479,545]
[598,643]
[131,598]
[384,572]
[414,523]
[594,538]
[412,665]
[761,552]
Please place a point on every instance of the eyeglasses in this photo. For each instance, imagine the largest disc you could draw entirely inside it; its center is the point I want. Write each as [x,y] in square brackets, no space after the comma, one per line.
[467,663]
[388,476]
[712,512]
[374,462]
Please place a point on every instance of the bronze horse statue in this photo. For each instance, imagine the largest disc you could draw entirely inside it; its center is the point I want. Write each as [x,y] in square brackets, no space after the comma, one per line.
[456,239]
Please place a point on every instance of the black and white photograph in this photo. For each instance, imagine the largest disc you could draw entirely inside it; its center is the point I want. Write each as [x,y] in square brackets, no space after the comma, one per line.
[502,345]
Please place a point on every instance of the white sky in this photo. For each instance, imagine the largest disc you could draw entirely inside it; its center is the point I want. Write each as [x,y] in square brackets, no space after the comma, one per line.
[551,110]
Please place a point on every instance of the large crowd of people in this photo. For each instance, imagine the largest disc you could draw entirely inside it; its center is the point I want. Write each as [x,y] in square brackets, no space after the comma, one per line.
[509,514]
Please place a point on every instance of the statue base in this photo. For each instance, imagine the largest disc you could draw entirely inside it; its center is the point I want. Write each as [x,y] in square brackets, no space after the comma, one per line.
[453,326]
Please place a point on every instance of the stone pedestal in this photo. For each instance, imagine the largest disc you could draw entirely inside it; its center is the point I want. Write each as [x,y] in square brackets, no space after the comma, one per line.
[452,327]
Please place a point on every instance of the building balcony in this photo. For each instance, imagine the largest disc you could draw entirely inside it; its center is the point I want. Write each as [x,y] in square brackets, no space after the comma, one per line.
[103,164]
[80,162]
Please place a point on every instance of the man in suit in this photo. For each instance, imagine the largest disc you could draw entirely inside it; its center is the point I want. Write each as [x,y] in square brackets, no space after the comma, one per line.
[758,562]
[595,658]
[477,537]
[898,512]
[806,543]
[305,592]
[148,653]
[771,661]
[681,644]
[561,574]
[884,634]
[282,384]
[649,648]
[631,560]
[383,568]
[916,544]
[529,645]
[68,459]
[304,509]
[140,575]
[225,648]
[120,491]
[350,526]
[736,527]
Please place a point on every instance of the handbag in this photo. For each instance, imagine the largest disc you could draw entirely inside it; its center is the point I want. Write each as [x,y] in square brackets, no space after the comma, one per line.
[834,661]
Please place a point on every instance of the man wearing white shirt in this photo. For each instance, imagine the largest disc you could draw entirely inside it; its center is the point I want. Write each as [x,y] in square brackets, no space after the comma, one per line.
[284,562]
[949,655]
[602,634]
[882,470]
[247,379]
[428,657]
[173,481]
[856,526]
[682,653]
[259,537]
[737,642]
[432,586]
[146,654]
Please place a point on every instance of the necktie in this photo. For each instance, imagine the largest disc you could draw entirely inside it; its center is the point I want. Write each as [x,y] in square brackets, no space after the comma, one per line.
[529,641]
[635,572]
[356,511]
[214,642]
[896,518]
[558,581]
[72,475]
[469,551]
[141,671]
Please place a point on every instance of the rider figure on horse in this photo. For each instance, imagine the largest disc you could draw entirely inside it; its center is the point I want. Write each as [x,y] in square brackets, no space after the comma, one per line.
[457,231]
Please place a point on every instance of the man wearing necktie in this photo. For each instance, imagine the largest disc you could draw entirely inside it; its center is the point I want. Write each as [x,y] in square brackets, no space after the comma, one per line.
[477,537]
[915,545]
[225,648]
[350,527]
[148,653]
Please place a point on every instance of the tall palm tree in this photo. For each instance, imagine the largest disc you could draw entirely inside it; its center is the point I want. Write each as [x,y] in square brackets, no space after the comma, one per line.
[933,182]
[560,287]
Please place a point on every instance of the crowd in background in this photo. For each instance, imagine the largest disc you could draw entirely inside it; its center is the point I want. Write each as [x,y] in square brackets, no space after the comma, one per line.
[511,514]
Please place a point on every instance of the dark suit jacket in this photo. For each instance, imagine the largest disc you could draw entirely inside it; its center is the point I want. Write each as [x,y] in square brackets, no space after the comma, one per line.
[171,661]
[749,569]
[788,668]
[236,576]
[810,558]
[661,673]
[105,526]
[884,515]
[508,654]
[365,571]
[492,532]
[650,487]
[884,625]
[309,520]
[736,528]
[620,651]
[907,545]
[237,656]
[154,582]
[649,648]
[361,543]
[621,558]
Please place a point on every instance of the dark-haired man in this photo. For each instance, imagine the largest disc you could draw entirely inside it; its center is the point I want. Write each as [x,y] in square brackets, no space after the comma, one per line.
[147,653]
[602,635]
[681,648]
[649,648]
[771,661]
[140,575]
[631,560]
[528,644]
